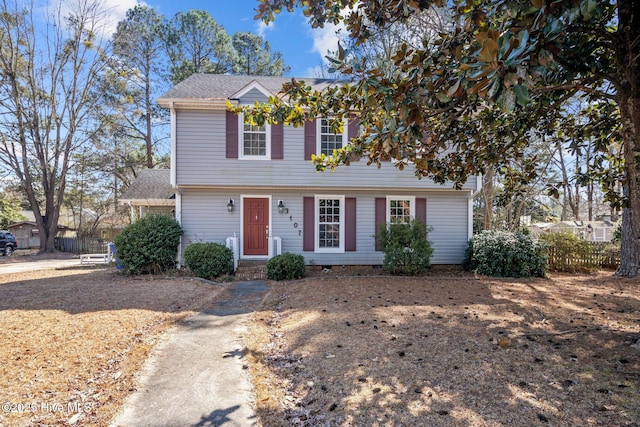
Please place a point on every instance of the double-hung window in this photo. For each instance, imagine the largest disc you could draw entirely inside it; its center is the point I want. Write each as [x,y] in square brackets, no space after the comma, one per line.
[400,209]
[329,141]
[255,140]
[329,223]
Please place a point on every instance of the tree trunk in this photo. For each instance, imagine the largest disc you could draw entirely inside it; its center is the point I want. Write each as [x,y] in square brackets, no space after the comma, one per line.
[630,250]
[628,100]
[488,195]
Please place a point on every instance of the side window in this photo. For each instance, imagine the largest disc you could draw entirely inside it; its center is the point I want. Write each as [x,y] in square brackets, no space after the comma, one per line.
[329,223]
[254,140]
[400,209]
[327,140]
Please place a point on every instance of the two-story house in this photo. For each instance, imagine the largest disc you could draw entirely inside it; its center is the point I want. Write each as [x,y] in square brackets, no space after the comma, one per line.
[255,189]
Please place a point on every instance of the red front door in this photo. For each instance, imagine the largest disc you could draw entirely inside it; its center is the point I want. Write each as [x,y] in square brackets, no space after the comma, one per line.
[256,226]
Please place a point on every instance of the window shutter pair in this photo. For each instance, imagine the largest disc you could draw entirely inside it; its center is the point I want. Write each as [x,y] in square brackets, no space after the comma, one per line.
[310,137]
[232,138]
[381,214]
[309,224]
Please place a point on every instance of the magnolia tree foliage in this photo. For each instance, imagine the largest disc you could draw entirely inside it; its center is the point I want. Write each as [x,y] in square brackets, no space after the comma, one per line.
[502,71]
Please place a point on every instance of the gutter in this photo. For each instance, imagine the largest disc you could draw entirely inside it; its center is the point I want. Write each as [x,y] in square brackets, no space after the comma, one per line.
[473,194]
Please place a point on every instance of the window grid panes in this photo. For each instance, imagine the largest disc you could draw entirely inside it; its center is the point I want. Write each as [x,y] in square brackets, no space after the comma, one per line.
[400,211]
[329,223]
[329,141]
[254,140]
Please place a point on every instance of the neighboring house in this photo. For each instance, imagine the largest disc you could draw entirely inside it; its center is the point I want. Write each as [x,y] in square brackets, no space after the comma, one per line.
[593,231]
[150,193]
[255,189]
[27,234]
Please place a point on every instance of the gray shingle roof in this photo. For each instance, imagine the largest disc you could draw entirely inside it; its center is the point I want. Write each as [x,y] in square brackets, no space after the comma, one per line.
[222,86]
[151,184]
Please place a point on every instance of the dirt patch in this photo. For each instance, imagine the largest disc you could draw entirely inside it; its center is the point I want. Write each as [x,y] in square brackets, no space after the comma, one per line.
[456,350]
[73,340]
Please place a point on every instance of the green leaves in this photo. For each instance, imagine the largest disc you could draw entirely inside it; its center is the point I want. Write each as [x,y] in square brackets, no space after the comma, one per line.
[522,95]
[588,8]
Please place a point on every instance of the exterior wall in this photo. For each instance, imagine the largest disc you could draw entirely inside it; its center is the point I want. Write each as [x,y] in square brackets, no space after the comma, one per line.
[201,161]
[253,96]
[206,179]
[26,235]
[205,218]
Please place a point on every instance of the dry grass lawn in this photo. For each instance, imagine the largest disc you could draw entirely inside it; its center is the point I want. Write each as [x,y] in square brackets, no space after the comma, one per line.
[72,340]
[334,350]
[448,351]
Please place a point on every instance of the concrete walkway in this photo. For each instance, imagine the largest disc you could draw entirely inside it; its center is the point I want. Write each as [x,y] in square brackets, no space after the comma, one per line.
[195,377]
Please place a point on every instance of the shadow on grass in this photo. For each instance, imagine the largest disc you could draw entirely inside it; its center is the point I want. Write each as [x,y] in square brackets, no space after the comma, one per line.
[461,351]
[104,289]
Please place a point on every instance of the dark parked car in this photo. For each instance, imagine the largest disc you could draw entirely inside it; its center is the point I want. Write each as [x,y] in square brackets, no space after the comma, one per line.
[8,243]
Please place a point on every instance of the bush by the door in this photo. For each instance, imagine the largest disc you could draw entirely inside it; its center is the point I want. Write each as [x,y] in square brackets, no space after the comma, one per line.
[406,247]
[208,260]
[287,266]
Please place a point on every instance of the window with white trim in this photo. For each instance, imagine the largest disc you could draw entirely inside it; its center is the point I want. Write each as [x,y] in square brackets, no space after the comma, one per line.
[329,223]
[400,209]
[327,140]
[255,140]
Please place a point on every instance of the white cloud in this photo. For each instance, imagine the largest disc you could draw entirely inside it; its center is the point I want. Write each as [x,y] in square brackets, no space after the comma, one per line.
[326,39]
[262,28]
[114,11]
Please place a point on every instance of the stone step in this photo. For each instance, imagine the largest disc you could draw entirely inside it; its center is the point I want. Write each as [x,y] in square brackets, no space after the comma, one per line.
[251,270]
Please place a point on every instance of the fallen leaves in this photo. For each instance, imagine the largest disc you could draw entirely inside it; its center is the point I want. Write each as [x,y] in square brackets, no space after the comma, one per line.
[76,338]
[450,350]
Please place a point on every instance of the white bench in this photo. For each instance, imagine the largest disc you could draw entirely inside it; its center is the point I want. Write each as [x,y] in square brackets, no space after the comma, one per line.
[97,258]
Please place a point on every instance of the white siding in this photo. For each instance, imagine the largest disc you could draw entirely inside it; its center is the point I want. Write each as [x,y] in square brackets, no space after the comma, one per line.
[253,96]
[205,219]
[200,160]
[447,216]
[200,146]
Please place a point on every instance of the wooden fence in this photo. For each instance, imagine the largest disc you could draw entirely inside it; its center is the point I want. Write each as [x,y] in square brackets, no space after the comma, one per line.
[600,255]
[82,245]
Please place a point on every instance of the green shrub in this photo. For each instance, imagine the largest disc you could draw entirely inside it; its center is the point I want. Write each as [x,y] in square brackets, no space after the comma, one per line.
[287,266]
[208,260]
[506,254]
[406,248]
[149,245]
[568,253]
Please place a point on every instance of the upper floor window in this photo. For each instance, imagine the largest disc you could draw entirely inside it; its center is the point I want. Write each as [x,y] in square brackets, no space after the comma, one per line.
[330,223]
[327,140]
[400,209]
[255,140]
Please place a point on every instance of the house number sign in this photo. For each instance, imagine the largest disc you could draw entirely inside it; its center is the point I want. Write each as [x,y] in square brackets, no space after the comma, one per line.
[295,225]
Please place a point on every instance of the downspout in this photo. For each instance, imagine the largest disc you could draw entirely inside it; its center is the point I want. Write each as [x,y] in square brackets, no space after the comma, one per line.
[472,195]
[173,179]
[178,215]
[132,212]
[172,153]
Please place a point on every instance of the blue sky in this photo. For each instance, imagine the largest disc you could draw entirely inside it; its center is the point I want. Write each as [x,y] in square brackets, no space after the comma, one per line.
[302,47]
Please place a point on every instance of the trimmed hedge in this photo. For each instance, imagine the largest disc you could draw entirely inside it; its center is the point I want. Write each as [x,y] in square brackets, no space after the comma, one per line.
[506,254]
[208,260]
[149,245]
[287,266]
[406,248]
